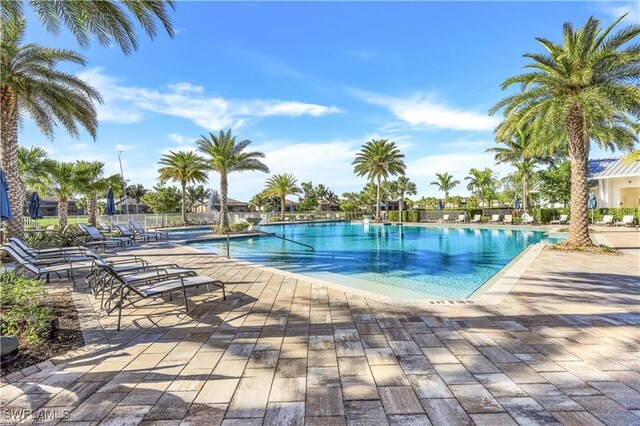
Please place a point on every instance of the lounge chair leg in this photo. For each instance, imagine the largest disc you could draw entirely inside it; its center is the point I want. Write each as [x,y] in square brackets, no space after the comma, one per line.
[184,294]
[48,277]
[120,307]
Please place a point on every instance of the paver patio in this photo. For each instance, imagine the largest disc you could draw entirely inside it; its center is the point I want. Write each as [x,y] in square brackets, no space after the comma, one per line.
[561,348]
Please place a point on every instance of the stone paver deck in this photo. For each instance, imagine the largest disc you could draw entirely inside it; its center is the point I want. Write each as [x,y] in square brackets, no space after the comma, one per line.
[561,348]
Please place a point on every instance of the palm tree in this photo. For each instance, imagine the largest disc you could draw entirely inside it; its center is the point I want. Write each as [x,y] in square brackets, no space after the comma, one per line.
[197,194]
[582,90]
[331,199]
[404,187]
[321,192]
[377,160]
[184,167]
[281,186]
[91,182]
[516,151]
[258,202]
[63,181]
[136,192]
[481,183]
[31,162]
[31,83]
[105,21]
[445,183]
[225,155]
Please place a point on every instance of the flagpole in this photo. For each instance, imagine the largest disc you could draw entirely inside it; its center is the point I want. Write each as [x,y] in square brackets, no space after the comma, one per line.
[124,185]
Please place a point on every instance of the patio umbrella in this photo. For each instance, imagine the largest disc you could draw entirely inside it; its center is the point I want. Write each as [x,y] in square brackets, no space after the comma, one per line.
[5,208]
[592,203]
[440,205]
[34,206]
[516,202]
[110,208]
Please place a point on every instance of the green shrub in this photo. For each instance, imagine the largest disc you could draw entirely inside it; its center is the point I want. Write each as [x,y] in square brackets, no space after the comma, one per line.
[240,226]
[40,240]
[23,312]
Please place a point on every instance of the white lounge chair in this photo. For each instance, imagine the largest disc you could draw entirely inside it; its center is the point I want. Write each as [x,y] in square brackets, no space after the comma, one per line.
[508,219]
[606,220]
[445,218]
[627,220]
[562,221]
[495,218]
[462,218]
[476,218]
[527,219]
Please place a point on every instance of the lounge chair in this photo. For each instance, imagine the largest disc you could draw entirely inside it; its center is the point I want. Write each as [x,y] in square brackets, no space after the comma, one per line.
[51,252]
[508,219]
[46,270]
[562,221]
[606,220]
[139,230]
[51,258]
[462,218]
[527,219]
[495,218]
[126,288]
[627,220]
[476,218]
[103,227]
[95,235]
[445,218]
[124,231]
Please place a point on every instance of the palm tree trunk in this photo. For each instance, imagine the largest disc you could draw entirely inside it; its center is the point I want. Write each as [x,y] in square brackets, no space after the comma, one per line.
[184,202]
[282,201]
[400,206]
[9,161]
[446,198]
[378,201]
[579,156]
[63,208]
[92,204]
[525,193]
[224,216]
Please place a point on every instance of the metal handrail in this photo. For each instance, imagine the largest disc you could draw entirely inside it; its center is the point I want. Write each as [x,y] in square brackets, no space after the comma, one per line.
[273,234]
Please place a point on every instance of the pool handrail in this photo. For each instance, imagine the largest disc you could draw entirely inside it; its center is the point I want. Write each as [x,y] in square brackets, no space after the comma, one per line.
[273,234]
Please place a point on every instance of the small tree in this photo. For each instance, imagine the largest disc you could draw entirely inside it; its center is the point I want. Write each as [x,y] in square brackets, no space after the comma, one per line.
[281,186]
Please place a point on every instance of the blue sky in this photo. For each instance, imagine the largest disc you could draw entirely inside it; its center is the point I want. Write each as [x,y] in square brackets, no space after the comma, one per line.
[310,82]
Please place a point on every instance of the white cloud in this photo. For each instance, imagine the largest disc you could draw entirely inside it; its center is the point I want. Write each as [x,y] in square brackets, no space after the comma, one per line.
[126,147]
[615,9]
[424,110]
[128,104]
[180,139]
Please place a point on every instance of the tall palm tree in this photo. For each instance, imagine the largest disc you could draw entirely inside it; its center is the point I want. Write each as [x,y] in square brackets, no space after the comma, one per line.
[321,192]
[31,83]
[281,186]
[517,151]
[136,192]
[377,160]
[445,183]
[184,167]
[404,187]
[92,181]
[31,162]
[224,155]
[481,183]
[258,202]
[62,180]
[106,21]
[584,89]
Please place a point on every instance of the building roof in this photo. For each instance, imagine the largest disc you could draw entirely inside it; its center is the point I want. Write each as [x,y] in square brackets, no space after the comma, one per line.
[607,168]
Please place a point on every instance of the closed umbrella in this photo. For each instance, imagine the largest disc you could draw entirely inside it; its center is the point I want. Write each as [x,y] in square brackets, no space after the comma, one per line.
[592,203]
[34,206]
[440,205]
[110,208]
[5,208]
[516,203]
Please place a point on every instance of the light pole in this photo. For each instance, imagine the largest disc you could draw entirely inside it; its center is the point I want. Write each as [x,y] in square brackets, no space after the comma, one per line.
[124,185]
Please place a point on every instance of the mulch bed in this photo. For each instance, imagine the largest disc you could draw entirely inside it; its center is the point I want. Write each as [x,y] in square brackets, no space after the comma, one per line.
[67,337]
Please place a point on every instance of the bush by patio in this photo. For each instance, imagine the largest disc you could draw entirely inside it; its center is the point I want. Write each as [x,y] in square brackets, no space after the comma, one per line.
[24,312]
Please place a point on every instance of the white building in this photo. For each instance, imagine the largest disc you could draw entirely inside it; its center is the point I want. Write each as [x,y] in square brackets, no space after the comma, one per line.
[615,182]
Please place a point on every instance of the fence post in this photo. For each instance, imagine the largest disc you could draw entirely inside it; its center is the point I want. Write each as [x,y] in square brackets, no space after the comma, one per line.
[228,249]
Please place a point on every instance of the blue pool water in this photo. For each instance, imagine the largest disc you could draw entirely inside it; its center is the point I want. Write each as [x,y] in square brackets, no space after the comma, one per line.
[404,262]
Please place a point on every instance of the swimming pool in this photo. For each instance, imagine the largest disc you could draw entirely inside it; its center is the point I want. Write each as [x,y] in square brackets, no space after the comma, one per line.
[403,262]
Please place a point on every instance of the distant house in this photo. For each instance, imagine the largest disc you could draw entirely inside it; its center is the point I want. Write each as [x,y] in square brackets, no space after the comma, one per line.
[615,182]
[49,207]
[234,206]
[130,203]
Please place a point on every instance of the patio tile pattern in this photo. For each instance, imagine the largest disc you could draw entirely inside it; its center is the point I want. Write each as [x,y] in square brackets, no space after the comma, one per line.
[561,348]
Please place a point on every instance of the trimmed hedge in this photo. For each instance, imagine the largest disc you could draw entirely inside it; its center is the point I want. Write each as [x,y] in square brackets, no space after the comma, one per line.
[548,214]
